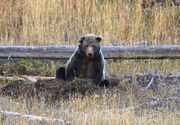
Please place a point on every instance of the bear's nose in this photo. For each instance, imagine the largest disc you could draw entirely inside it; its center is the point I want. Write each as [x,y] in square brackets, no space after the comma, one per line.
[90,54]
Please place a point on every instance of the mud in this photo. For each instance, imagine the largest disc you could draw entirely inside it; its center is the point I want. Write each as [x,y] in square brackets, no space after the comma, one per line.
[52,90]
[49,89]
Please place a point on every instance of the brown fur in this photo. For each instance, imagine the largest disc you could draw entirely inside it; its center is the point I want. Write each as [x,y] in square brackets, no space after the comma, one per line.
[87,62]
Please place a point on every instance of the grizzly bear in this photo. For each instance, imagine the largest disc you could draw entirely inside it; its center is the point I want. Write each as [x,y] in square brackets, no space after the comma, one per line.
[87,61]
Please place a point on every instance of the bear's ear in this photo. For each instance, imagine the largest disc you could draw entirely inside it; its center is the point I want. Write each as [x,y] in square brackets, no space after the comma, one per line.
[81,39]
[98,38]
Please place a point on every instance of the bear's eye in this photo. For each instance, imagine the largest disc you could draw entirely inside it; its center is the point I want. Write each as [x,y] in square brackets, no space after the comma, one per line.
[94,46]
[86,46]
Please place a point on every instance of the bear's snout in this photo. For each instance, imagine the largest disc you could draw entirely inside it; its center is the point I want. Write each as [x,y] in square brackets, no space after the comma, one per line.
[90,51]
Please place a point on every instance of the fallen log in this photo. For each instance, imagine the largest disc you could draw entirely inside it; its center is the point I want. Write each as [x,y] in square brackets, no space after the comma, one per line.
[32,117]
[110,52]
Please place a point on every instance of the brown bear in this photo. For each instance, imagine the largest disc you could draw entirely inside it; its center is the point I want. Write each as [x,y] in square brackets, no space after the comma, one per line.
[87,61]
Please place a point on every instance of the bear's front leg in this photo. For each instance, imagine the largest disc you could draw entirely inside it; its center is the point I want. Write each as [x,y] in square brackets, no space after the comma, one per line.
[69,71]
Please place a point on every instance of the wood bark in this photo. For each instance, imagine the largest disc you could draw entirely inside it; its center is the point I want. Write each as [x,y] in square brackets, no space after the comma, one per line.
[110,52]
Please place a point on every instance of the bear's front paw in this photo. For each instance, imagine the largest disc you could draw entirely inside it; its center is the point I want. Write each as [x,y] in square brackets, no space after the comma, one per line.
[104,83]
[60,73]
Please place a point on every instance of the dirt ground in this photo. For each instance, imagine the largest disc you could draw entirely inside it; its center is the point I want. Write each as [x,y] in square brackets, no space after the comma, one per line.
[52,90]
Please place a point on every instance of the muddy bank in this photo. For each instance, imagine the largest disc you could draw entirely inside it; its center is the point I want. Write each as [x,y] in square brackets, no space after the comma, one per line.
[52,90]
[49,89]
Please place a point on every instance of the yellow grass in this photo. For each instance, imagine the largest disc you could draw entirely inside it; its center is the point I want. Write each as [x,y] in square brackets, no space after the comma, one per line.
[51,22]
[62,22]
[110,107]
[92,111]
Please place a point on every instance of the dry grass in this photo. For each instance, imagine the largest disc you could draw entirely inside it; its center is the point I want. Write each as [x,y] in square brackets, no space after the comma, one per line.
[57,22]
[113,68]
[110,108]
[107,107]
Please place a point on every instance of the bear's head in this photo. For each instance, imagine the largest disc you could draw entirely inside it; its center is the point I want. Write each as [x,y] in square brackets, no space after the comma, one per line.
[89,45]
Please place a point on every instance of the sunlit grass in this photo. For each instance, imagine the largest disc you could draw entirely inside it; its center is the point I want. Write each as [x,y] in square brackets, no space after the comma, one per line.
[113,67]
[57,22]
[109,109]
[143,66]
[62,22]
[104,107]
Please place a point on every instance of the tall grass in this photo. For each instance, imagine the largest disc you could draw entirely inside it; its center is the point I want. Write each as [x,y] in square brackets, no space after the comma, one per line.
[110,109]
[57,22]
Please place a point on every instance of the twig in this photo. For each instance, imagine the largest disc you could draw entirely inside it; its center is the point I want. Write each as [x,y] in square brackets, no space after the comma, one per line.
[153,79]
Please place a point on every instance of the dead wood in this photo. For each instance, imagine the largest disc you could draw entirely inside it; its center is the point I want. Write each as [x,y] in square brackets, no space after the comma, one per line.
[110,52]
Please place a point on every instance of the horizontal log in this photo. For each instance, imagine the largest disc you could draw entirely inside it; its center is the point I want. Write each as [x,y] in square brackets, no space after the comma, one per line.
[31,117]
[110,52]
